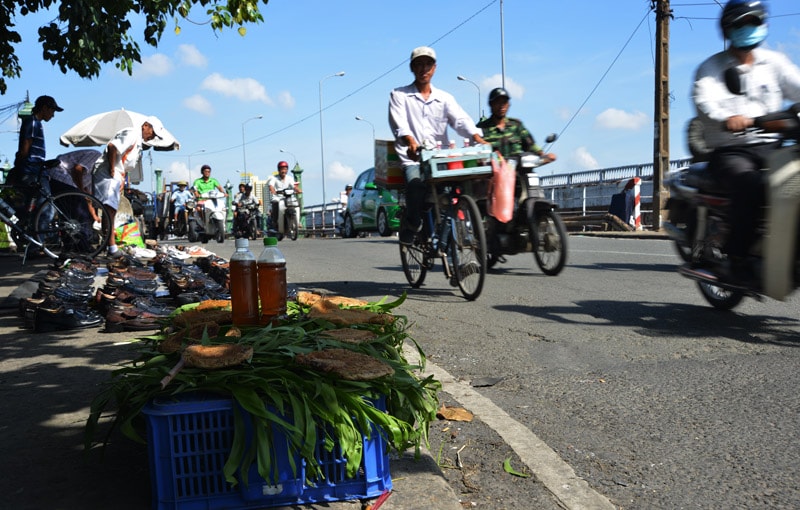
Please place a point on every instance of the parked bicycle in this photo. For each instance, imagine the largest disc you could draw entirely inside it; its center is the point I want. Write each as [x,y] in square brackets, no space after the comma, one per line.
[57,225]
[452,227]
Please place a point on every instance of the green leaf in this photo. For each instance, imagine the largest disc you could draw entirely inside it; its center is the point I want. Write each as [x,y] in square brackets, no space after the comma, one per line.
[508,469]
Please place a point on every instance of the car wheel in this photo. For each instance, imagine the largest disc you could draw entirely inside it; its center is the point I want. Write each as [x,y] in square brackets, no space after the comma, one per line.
[383,224]
[349,228]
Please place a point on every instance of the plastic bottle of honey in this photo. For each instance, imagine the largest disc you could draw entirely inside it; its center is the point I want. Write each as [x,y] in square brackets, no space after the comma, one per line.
[244,285]
[271,281]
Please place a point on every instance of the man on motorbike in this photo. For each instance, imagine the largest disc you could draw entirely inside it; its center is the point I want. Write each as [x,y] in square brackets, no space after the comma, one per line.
[506,134]
[206,183]
[278,183]
[766,79]
[420,113]
[179,199]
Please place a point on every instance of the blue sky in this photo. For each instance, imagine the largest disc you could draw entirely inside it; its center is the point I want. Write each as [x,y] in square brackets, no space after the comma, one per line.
[206,87]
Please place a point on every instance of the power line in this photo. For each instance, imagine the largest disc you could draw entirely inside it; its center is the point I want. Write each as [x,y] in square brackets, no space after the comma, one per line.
[359,89]
[604,75]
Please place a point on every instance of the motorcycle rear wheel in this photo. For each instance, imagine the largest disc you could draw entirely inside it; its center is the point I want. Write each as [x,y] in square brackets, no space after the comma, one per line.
[720,298]
[549,237]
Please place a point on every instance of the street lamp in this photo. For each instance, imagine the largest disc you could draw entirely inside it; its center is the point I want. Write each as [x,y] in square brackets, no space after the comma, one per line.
[244,153]
[190,160]
[322,144]
[292,155]
[480,109]
[358,117]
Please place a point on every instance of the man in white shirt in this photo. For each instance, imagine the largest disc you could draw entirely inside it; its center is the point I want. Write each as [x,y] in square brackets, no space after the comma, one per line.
[278,183]
[420,113]
[766,79]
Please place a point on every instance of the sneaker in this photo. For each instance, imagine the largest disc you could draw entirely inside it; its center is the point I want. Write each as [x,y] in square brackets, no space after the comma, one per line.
[407,237]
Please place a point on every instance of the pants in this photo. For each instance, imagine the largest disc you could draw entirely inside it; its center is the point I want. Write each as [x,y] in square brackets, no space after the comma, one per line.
[740,168]
[415,196]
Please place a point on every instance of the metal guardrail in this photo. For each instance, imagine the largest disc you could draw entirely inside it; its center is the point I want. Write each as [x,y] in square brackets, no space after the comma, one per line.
[581,192]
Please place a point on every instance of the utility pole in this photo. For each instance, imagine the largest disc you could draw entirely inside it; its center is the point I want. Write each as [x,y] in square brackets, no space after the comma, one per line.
[661,113]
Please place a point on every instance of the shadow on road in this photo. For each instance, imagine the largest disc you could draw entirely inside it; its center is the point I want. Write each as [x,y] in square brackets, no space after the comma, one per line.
[668,319]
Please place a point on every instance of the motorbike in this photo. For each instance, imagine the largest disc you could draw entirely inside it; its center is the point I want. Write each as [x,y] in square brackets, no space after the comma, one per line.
[207,217]
[287,223]
[535,225]
[245,223]
[698,222]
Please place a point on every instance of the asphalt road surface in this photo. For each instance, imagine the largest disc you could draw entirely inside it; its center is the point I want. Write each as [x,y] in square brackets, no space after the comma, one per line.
[645,396]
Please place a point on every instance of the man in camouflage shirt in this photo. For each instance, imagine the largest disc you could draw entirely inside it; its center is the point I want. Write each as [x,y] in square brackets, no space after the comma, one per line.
[506,134]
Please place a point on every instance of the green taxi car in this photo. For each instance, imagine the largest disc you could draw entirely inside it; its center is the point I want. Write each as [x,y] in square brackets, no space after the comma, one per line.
[370,208]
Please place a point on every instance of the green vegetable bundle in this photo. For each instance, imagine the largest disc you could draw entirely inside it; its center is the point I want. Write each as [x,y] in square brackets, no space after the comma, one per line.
[277,391]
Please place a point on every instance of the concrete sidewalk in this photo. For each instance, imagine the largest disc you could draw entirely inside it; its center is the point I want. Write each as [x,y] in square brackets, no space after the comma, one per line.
[47,382]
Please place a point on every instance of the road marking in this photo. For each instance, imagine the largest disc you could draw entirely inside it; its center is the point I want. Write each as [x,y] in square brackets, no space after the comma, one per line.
[559,478]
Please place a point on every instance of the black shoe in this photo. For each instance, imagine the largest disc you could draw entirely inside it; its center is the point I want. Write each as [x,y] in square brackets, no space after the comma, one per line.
[63,318]
[407,237]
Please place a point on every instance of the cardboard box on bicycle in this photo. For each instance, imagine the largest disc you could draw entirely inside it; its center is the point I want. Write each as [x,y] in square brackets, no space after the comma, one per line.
[388,169]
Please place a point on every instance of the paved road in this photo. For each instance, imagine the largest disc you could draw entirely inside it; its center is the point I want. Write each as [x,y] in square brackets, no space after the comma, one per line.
[617,365]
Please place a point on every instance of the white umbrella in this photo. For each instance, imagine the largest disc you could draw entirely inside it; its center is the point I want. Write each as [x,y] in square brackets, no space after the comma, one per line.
[100,129]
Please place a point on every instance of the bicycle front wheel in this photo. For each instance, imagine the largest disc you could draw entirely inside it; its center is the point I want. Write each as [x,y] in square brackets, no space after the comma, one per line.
[73,223]
[468,248]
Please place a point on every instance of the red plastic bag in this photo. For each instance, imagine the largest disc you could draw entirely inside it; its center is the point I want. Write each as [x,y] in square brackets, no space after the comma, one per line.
[501,189]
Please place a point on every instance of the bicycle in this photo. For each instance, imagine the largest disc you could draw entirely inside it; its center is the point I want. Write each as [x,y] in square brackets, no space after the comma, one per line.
[452,228]
[64,224]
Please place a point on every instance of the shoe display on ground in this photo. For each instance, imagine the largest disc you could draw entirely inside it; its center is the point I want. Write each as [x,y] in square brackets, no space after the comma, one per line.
[65,318]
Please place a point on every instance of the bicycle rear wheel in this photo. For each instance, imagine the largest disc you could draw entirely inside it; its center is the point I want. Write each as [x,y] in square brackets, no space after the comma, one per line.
[65,224]
[468,248]
[415,259]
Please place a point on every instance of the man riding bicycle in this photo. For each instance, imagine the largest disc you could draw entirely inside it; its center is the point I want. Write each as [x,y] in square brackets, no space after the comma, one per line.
[420,113]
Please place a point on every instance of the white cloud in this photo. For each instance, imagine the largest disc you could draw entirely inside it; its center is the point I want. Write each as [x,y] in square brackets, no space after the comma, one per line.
[516,90]
[341,172]
[583,160]
[244,89]
[286,100]
[613,118]
[177,171]
[189,55]
[199,104]
[154,65]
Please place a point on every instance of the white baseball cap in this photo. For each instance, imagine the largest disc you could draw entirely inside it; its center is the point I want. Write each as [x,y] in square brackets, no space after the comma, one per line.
[423,51]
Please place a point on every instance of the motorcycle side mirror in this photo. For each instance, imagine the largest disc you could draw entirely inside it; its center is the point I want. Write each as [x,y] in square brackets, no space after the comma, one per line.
[733,81]
[552,137]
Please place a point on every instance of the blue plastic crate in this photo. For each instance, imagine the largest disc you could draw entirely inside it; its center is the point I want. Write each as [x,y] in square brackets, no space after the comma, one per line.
[189,440]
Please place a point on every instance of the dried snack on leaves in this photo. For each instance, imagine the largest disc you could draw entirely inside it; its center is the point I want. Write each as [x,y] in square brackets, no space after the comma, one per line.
[195,315]
[348,365]
[310,299]
[173,342]
[211,304]
[348,316]
[216,356]
[195,331]
[349,335]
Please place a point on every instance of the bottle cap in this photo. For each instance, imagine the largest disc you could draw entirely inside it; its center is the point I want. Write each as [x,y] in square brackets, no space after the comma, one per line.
[270,241]
[242,242]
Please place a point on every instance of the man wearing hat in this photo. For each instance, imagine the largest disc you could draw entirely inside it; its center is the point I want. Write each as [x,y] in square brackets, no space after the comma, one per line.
[506,134]
[31,152]
[419,113]
[179,199]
